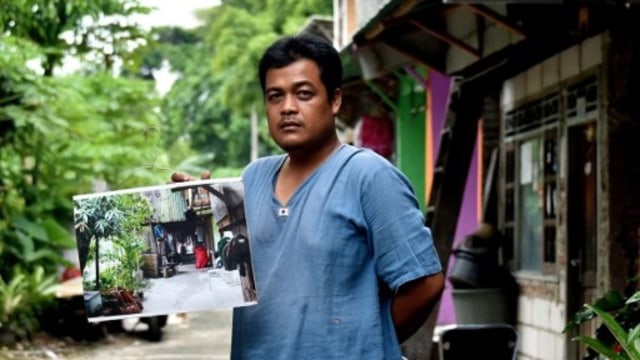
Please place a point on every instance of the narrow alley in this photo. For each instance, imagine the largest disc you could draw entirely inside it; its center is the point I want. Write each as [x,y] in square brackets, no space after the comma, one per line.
[189,290]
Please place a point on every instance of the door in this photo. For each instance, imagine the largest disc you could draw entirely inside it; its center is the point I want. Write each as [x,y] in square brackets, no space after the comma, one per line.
[581,224]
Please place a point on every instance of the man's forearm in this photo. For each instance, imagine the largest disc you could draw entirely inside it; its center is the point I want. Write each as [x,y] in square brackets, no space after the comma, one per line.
[414,302]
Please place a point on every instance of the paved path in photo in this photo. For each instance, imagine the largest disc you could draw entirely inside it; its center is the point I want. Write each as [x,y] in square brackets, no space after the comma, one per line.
[192,289]
[189,290]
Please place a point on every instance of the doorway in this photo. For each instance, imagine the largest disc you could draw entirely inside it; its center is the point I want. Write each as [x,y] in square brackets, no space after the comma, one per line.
[582,229]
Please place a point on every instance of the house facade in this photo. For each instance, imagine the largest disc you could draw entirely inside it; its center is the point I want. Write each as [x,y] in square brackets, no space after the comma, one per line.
[523,113]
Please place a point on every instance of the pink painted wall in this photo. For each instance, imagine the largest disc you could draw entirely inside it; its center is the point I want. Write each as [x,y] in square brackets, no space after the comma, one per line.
[467,223]
[438,93]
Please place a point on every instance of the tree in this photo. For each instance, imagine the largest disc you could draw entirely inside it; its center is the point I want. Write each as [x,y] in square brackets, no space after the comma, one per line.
[212,102]
[193,108]
[78,27]
[117,220]
[240,33]
[59,134]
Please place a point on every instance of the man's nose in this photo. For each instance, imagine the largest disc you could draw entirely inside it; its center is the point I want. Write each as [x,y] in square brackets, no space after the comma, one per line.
[290,104]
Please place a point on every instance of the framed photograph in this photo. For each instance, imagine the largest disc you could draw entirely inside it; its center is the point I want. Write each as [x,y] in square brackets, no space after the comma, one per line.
[180,247]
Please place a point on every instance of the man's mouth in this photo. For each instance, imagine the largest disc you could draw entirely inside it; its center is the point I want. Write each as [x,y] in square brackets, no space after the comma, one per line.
[289,125]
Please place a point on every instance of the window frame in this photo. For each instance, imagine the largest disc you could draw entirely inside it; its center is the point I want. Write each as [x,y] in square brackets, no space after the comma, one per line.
[548,127]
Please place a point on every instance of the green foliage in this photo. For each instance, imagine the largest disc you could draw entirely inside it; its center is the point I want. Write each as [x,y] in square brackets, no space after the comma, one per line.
[211,104]
[117,134]
[113,224]
[238,38]
[60,134]
[174,44]
[91,25]
[193,108]
[22,300]
[618,337]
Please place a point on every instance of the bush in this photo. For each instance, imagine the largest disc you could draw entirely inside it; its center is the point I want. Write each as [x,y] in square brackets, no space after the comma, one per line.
[22,300]
[619,335]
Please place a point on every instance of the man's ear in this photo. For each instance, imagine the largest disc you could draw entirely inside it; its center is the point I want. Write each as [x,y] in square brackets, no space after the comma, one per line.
[336,101]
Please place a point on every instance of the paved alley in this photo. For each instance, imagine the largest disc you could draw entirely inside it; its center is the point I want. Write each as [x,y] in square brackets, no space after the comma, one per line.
[192,289]
[202,335]
[194,331]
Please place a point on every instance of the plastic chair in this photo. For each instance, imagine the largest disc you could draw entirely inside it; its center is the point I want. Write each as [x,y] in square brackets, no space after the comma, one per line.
[479,341]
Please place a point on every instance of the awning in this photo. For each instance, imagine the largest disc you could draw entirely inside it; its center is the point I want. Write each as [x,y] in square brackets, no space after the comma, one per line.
[445,37]
[468,39]
[319,25]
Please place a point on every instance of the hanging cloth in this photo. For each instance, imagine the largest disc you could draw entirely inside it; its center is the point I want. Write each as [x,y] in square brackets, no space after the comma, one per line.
[376,133]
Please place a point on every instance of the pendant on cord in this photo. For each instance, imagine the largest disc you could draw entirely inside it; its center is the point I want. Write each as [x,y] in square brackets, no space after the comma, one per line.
[283,211]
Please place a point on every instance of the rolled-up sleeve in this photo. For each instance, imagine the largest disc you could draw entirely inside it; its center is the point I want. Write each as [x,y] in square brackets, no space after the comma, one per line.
[402,245]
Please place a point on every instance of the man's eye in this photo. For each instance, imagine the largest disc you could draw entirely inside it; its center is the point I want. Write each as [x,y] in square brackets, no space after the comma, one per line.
[273,97]
[305,94]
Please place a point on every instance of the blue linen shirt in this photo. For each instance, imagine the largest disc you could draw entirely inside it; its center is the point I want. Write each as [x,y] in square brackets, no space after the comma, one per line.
[353,228]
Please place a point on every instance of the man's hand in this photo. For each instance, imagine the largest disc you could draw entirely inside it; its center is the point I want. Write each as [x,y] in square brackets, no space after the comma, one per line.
[182,177]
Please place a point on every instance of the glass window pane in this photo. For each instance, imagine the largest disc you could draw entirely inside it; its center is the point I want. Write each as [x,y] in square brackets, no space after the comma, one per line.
[531,200]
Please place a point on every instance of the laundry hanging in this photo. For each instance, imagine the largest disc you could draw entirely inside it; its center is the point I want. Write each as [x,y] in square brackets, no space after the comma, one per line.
[376,133]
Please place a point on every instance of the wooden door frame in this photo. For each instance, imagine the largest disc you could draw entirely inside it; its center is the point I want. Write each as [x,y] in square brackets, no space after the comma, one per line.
[576,294]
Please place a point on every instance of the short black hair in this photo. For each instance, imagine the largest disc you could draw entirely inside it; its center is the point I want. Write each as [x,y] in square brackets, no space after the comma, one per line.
[289,49]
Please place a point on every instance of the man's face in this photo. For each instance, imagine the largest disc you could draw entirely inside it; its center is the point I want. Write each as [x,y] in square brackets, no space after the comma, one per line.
[299,113]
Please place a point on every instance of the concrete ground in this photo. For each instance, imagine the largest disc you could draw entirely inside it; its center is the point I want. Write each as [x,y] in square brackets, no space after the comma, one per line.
[194,331]
[192,289]
[193,336]
[188,290]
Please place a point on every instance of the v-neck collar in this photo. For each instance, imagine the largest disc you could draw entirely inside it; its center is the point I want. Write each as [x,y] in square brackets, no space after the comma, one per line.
[302,185]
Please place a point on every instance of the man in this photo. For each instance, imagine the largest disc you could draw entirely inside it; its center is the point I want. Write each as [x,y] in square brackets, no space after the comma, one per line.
[344,266]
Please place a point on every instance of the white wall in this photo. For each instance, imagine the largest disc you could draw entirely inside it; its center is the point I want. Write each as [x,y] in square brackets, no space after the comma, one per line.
[542,317]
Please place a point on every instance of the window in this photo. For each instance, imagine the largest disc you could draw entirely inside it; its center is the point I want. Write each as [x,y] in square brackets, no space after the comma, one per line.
[530,205]
[530,185]
[536,201]
[530,173]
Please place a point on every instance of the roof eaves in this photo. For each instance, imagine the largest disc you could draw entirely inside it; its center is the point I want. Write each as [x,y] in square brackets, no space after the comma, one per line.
[319,25]
[385,9]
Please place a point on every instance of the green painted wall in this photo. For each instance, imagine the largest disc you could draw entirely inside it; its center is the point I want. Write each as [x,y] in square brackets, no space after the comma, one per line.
[410,134]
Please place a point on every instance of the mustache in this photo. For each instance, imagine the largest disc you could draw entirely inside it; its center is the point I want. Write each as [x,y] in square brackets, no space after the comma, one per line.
[289,121]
